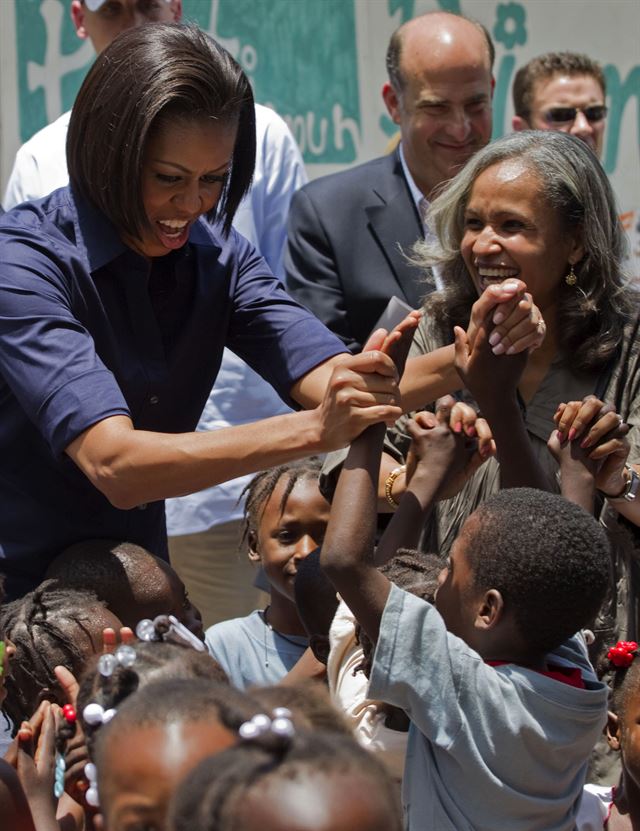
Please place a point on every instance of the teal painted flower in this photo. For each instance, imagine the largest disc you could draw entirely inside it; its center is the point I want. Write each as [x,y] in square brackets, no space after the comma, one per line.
[510,27]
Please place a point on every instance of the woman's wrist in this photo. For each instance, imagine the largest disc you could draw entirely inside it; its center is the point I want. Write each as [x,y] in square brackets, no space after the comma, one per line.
[629,486]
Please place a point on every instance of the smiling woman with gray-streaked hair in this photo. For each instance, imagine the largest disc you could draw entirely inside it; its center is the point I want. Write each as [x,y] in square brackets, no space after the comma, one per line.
[577,190]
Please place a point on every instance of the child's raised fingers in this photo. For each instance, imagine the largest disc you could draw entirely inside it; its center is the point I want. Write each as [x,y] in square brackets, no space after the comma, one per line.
[109,639]
[463,419]
[68,682]
[25,739]
[444,408]
[127,635]
[486,444]
[45,747]
[425,419]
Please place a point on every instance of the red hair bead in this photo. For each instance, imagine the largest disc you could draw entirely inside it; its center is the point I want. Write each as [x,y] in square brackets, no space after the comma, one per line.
[622,654]
[69,712]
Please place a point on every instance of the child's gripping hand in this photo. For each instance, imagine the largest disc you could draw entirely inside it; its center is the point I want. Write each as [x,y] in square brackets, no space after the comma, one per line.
[32,754]
[591,438]
[398,342]
[487,376]
[450,445]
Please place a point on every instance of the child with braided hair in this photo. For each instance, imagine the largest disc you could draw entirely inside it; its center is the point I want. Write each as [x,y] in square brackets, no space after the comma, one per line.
[285,519]
[52,625]
[26,778]
[287,780]
[618,808]
[156,736]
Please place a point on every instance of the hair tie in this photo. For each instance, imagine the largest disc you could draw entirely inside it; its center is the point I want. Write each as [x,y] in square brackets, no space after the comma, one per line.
[95,714]
[67,731]
[279,725]
[91,796]
[162,627]
[622,654]
[124,655]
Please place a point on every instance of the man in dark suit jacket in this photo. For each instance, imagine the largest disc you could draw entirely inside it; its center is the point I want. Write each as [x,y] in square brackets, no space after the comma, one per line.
[350,233]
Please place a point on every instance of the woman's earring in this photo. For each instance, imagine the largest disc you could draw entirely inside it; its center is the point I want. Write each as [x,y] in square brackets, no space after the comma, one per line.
[571,279]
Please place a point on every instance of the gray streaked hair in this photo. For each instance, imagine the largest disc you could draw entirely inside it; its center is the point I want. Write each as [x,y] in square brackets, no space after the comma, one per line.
[593,313]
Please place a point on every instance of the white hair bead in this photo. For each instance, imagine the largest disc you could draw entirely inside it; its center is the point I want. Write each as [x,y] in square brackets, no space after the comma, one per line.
[93,713]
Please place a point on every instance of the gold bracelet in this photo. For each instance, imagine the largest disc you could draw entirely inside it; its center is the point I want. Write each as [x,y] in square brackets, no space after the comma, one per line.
[388,485]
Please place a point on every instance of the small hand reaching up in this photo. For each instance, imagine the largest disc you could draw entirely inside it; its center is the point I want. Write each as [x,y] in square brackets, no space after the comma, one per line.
[591,447]
[460,427]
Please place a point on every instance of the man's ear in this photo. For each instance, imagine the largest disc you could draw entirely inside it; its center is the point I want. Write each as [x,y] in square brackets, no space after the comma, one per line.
[490,610]
[252,540]
[612,731]
[176,9]
[77,15]
[392,102]
[518,124]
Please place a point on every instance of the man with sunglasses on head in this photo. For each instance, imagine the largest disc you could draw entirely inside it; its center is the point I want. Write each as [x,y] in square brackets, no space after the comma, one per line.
[562,91]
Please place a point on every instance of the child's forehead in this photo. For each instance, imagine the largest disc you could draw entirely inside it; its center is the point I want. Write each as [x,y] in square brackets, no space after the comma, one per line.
[317,800]
[164,743]
[291,490]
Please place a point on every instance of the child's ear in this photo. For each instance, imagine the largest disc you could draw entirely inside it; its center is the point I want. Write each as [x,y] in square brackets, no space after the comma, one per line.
[252,540]
[612,731]
[490,610]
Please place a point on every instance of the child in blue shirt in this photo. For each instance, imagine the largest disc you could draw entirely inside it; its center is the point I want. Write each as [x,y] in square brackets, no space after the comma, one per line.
[503,702]
[285,520]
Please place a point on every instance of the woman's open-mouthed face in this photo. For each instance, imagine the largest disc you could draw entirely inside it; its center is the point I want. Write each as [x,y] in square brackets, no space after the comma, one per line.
[186,165]
[511,230]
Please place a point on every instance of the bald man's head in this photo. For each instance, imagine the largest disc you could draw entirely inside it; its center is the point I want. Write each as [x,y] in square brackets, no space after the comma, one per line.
[439,93]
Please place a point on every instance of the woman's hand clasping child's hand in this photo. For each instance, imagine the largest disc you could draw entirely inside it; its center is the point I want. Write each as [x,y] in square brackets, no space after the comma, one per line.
[592,435]
[451,444]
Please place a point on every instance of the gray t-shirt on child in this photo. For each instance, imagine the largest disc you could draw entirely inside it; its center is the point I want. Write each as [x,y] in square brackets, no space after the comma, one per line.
[251,653]
[489,747]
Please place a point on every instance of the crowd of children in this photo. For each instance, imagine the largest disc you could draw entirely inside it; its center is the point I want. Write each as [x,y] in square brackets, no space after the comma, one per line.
[465,684]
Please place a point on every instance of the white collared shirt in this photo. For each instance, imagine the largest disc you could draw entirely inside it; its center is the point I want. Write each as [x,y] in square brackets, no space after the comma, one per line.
[422,206]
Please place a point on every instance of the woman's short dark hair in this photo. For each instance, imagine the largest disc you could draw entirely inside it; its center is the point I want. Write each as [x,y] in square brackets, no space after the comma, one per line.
[146,77]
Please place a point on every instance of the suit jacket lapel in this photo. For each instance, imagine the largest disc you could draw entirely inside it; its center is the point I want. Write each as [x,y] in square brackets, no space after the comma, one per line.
[395,223]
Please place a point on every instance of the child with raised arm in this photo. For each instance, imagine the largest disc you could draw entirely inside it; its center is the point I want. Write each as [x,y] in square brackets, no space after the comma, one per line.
[503,702]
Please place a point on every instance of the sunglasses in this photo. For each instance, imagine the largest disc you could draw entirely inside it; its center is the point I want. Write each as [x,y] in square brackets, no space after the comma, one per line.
[562,115]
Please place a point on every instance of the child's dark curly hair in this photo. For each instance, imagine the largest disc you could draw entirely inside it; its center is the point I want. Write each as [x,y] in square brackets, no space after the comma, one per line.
[40,626]
[309,703]
[548,558]
[260,488]
[214,794]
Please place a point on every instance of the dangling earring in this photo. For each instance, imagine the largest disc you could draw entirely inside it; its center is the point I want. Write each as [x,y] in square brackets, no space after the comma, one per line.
[571,279]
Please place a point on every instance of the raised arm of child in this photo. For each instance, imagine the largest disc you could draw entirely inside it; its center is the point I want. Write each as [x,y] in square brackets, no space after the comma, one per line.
[407,524]
[493,382]
[348,549]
